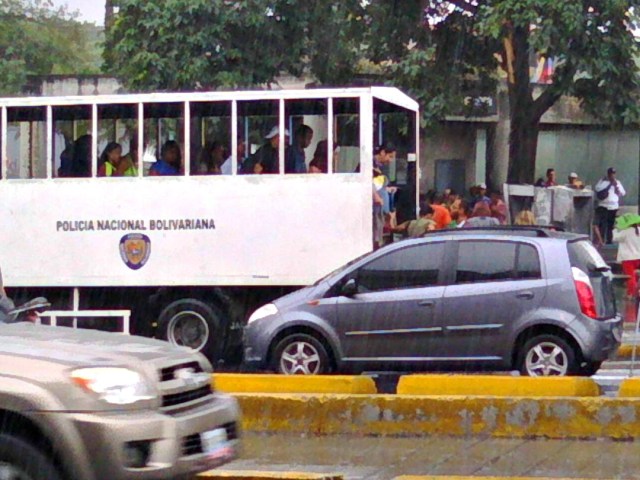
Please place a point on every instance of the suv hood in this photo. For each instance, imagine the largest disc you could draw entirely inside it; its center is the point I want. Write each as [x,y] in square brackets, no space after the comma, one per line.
[76,347]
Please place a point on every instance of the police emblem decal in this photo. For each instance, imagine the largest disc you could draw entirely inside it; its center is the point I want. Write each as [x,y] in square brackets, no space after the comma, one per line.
[135,249]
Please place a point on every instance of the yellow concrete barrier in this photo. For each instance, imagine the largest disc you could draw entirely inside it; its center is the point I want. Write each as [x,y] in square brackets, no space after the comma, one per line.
[446,477]
[630,387]
[404,415]
[497,386]
[256,475]
[249,383]
[625,351]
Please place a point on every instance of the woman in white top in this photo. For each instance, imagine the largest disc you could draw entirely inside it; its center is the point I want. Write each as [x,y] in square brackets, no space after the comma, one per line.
[629,253]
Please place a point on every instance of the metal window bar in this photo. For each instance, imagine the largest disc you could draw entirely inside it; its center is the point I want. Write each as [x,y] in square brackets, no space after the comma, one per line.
[80,314]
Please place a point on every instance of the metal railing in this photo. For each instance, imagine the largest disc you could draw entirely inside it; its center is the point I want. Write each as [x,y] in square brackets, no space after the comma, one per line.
[84,314]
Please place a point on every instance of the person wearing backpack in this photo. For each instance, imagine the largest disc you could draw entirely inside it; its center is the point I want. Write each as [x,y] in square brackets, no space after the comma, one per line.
[609,191]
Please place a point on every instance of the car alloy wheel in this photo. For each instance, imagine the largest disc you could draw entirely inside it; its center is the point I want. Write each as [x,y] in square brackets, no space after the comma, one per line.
[547,359]
[300,358]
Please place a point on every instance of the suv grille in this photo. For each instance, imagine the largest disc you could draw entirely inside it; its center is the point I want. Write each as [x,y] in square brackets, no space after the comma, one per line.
[183,383]
[184,397]
[167,374]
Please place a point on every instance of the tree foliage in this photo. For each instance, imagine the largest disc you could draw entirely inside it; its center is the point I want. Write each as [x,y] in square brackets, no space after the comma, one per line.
[192,44]
[36,39]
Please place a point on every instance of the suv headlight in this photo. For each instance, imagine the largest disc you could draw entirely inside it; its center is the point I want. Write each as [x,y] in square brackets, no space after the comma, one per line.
[115,385]
[264,311]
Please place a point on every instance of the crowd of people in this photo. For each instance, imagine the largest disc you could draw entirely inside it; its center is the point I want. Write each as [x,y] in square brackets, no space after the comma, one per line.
[214,158]
[438,210]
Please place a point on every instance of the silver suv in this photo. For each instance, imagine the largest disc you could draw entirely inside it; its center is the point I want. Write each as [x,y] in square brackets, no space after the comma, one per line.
[80,404]
[534,300]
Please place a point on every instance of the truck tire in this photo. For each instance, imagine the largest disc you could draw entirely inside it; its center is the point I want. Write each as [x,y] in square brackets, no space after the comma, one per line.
[195,324]
[22,461]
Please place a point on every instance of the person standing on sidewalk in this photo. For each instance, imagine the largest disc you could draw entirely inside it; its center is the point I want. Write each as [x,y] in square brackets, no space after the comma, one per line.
[609,191]
[627,234]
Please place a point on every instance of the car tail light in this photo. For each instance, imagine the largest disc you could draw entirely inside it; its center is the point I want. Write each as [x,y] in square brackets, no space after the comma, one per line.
[584,290]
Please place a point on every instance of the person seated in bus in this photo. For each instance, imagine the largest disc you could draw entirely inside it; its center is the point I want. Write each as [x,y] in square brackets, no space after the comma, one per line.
[294,159]
[319,162]
[109,160]
[170,162]
[113,164]
[265,160]
[66,160]
[210,159]
[81,158]
[226,167]
[129,163]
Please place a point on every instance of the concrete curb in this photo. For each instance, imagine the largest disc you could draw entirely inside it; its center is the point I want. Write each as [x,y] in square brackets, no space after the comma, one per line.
[256,475]
[497,386]
[263,383]
[459,416]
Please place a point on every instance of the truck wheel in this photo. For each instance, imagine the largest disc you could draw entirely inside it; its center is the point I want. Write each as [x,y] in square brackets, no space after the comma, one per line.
[547,355]
[300,354]
[21,461]
[195,324]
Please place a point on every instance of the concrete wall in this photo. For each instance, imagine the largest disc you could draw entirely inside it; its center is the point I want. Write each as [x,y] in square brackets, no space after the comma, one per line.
[453,141]
[61,85]
[589,152]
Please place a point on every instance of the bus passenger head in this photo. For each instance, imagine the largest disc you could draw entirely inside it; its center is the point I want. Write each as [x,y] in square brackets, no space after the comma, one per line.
[171,153]
[304,135]
[111,153]
[274,136]
[385,154]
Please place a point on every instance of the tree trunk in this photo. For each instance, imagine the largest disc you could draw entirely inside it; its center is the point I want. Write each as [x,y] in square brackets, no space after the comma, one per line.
[523,146]
[523,136]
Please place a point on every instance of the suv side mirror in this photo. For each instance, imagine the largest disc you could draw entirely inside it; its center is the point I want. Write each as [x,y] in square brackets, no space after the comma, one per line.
[349,289]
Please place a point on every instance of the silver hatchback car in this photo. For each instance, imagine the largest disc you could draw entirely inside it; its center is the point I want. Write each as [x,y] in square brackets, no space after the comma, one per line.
[532,299]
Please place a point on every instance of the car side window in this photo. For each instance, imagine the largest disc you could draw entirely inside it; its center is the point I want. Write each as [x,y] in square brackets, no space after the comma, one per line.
[411,267]
[528,262]
[485,261]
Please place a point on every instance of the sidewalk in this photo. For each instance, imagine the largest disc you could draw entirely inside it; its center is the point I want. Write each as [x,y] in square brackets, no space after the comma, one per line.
[373,458]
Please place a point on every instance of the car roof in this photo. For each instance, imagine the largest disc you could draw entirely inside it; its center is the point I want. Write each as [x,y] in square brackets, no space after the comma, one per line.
[512,232]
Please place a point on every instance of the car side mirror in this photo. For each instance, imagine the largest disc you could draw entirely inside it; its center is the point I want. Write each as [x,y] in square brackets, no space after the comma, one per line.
[349,289]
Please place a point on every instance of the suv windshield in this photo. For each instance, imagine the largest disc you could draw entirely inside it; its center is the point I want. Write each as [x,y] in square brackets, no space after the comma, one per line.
[583,255]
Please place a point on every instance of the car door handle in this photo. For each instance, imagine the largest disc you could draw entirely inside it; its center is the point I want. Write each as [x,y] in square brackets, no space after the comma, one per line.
[426,303]
[525,295]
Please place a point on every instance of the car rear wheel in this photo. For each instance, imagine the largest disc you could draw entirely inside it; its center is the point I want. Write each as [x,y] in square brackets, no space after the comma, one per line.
[21,461]
[194,324]
[547,355]
[300,354]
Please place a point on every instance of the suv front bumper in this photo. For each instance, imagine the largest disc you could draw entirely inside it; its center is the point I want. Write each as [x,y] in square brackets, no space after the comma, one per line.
[175,443]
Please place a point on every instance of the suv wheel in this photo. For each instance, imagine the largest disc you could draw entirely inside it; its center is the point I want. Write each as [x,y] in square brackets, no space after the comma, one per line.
[547,355]
[300,354]
[21,461]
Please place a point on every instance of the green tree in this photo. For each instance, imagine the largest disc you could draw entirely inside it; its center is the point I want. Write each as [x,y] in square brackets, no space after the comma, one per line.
[203,44]
[36,39]
[453,42]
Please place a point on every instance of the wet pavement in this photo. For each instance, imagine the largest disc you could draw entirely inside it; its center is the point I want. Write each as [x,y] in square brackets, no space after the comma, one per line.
[375,458]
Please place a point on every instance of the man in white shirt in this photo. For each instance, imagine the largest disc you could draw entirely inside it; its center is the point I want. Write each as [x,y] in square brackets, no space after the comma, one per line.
[608,205]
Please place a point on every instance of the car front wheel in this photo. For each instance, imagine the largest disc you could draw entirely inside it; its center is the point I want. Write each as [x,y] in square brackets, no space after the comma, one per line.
[21,461]
[547,355]
[300,354]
